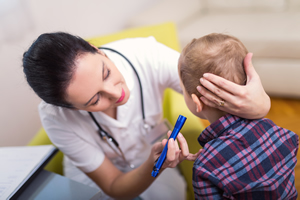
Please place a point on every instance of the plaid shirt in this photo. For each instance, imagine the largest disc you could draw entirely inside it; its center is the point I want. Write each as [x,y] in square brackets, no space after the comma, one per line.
[245,159]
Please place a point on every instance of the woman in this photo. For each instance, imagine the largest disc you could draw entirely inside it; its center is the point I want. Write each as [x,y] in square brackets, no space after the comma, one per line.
[85,90]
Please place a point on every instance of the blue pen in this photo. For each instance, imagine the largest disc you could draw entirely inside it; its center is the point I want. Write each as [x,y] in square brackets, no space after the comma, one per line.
[161,159]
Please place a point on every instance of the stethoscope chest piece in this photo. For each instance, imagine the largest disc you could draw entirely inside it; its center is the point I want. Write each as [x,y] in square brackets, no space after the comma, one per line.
[147,127]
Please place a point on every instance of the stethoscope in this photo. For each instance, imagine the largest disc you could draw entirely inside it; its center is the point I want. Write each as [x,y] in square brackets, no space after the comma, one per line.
[114,145]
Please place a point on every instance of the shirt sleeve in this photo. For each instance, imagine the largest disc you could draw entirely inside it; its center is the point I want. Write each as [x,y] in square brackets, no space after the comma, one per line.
[164,61]
[154,61]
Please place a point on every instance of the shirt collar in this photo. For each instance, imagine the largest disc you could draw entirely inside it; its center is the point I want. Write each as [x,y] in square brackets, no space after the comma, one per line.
[217,128]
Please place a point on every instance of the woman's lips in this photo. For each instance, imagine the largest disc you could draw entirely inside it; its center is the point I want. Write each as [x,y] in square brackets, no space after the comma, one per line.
[122,96]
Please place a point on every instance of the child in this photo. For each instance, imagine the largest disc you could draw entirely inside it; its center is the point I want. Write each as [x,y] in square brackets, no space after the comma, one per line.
[241,158]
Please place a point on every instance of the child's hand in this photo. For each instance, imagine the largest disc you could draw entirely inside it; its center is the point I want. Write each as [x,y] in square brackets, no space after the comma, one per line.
[175,155]
[248,101]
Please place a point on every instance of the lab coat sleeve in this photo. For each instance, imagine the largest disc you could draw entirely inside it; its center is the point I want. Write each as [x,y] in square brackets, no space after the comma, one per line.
[164,64]
[59,125]
[155,62]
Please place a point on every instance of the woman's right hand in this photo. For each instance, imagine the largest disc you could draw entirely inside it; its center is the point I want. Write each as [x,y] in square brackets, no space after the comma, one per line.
[175,155]
[128,185]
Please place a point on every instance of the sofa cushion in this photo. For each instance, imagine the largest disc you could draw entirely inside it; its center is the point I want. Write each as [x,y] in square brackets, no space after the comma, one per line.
[243,6]
[274,35]
[280,77]
[177,11]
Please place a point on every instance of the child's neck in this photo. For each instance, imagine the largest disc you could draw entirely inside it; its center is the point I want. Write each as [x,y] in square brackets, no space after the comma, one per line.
[212,114]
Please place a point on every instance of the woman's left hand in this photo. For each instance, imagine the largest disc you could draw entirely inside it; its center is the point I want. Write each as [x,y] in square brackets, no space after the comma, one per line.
[175,155]
[248,101]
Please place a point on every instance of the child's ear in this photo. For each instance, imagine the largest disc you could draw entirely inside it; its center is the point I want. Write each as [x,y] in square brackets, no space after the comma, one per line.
[196,100]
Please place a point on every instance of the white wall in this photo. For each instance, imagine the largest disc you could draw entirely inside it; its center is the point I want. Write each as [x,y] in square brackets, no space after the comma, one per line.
[22,21]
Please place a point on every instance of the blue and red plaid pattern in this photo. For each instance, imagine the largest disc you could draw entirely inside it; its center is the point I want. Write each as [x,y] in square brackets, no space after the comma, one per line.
[245,159]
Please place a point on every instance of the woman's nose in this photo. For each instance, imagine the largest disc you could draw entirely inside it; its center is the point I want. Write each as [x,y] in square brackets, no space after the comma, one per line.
[112,93]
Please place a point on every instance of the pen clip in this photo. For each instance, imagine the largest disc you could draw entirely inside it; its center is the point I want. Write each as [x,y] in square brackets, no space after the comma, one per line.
[154,166]
[155,170]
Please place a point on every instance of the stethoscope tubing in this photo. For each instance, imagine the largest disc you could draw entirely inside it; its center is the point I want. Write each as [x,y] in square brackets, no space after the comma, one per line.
[102,133]
[137,75]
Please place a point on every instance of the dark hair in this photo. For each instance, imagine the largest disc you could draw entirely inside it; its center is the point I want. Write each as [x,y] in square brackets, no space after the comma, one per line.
[49,65]
[215,53]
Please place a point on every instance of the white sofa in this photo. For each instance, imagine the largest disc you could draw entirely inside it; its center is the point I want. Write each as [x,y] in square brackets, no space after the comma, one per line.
[268,28]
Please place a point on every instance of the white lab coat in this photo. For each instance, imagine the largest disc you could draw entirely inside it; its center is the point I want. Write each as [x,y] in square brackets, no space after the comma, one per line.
[75,134]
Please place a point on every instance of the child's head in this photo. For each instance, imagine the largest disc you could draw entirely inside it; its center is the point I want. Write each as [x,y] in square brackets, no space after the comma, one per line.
[219,54]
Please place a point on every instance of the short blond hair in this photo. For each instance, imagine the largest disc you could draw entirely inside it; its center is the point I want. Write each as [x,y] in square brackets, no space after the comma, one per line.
[215,53]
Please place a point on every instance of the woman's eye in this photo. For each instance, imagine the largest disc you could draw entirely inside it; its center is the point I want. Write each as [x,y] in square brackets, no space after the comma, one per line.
[107,74]
[96,102]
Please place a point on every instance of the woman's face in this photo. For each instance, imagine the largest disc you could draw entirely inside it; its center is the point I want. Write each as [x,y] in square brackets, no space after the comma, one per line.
[97,85]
